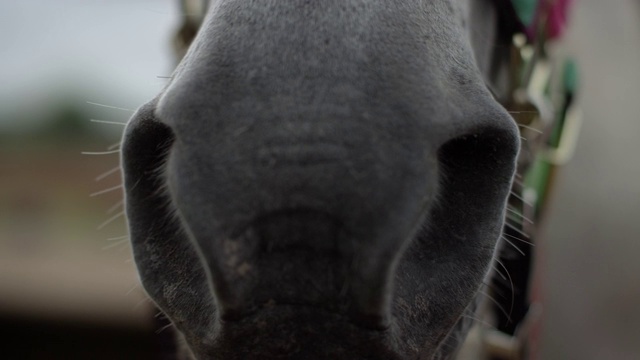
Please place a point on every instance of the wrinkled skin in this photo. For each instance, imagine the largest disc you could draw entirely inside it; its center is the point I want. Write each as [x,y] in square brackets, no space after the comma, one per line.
[323,179]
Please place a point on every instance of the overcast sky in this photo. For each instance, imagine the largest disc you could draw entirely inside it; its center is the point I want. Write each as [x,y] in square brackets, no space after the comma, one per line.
[117,48]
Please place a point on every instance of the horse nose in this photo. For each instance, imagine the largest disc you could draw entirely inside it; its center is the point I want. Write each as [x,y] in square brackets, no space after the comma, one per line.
[316,180]
[315,208]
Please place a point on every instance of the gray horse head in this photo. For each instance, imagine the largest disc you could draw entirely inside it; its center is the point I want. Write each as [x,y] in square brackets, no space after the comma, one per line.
[323,179]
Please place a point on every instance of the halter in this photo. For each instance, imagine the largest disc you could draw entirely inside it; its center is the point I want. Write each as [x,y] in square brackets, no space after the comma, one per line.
[528,81]
[539,91]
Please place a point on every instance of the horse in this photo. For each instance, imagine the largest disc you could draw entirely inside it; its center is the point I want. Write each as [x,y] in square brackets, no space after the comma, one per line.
[324,179]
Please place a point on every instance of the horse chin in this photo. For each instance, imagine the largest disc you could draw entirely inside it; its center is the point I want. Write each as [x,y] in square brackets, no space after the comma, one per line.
[297,332]
[301,298]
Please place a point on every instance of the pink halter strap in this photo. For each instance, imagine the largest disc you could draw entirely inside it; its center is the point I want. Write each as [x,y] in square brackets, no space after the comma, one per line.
[557,16]
[556,13]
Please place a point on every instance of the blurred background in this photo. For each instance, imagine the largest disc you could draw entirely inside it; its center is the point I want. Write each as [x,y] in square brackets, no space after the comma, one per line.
[68,288]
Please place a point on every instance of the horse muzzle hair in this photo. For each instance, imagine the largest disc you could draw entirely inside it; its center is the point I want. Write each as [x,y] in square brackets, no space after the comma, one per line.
[321,180]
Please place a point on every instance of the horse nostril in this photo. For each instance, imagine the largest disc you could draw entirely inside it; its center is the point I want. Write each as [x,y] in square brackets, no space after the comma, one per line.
[483,157]
[476,171]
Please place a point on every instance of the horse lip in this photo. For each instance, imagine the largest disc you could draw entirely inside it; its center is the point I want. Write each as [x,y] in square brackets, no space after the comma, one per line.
[367,323]
[300,331]
[298,259]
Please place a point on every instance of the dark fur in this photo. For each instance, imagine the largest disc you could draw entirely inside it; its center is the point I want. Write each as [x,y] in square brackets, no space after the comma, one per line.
[322,179]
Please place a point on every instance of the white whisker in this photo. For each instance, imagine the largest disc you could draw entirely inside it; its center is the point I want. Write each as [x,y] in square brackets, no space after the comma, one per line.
[118,238]
[510,283]
[517,230]
[508,315]
[514,246]
[521,240]
[530,128]
[499,273]
[493,289]
[108,122]
[521,199]
[108,173]
[475,319]
[100,152]
[133,288]
[160,315]
[142,302]
[115,207]
[520,215]
[164,328]
[106,190]
[110,220]
[109,106]
[114,146]
[115,244]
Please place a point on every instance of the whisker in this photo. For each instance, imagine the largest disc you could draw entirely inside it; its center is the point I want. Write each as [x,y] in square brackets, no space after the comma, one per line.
[513,193]
[512,220]
[521,240]
[530,128]
[108,173]
[110,152]
[499,273]
[514,246]
[508,315]
[108,122]
[141,302]
[115,207]
[160,315]
[114,146]
[444,344]
[517,230]
[164,328]
[518,181]
[115,244]
[133,288]
[475,319]
[106,190]
[110,220]
[495,290]
[118,238]
[520,215]
[109,106]
[510,282]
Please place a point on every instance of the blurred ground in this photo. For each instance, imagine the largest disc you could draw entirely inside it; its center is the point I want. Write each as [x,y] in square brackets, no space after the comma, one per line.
[593,231]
